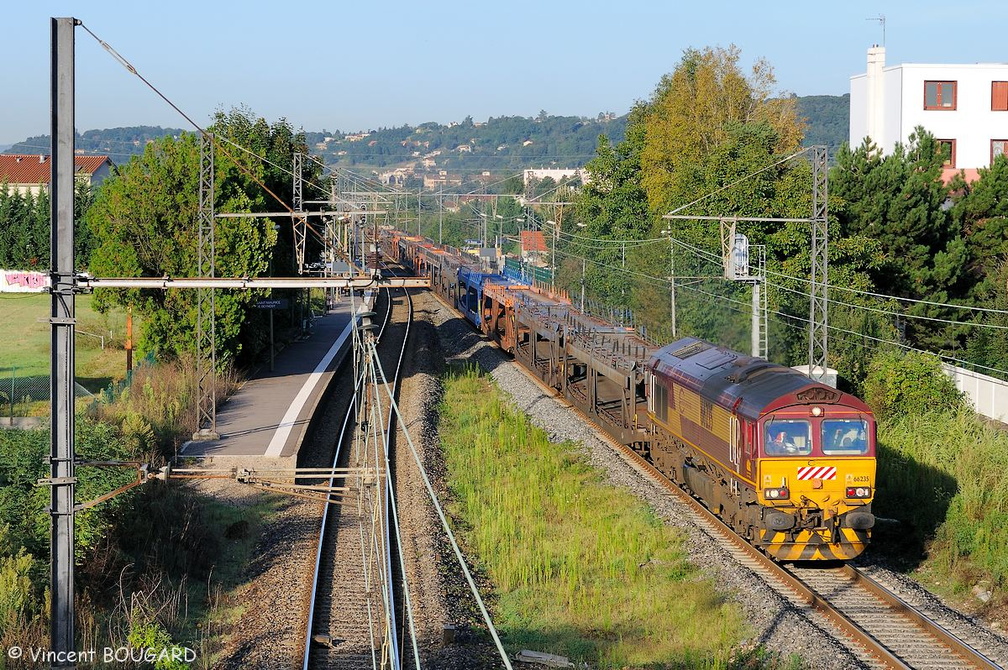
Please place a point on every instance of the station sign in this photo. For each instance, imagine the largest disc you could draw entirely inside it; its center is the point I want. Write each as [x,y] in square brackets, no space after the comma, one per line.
[272,303]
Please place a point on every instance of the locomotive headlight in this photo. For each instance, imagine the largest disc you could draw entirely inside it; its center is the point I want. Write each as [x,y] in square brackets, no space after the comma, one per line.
[777,493]
[859,492]
[817,411]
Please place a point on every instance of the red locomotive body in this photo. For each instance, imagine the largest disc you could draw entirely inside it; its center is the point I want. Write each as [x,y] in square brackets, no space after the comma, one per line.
[788,462]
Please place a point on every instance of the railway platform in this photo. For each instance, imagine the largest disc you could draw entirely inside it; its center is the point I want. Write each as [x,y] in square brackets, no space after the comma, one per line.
[264,423]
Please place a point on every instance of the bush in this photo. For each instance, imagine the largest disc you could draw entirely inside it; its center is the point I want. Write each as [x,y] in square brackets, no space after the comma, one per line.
[909,383]
[946,476]
[17,596]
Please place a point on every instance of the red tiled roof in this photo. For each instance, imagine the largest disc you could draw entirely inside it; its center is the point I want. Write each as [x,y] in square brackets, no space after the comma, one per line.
[35,168]
[533,240]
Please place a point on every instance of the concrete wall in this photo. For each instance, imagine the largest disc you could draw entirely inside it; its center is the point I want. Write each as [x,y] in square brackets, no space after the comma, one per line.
[988,395]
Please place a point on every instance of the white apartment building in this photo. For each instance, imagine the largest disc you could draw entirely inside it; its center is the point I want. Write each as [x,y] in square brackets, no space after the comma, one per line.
[964,106]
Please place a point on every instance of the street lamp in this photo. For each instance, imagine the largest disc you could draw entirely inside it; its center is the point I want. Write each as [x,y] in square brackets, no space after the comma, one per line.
[671,240]
[556,236]
[276,229]
[581,225]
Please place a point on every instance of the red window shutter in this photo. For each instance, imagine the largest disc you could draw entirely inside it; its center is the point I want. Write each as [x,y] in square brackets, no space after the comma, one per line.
[999,96]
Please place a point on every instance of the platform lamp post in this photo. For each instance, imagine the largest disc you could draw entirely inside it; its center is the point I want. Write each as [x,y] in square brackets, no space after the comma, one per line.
[500,229]
[584,266]
[556,237]
[276,229]
[672,306]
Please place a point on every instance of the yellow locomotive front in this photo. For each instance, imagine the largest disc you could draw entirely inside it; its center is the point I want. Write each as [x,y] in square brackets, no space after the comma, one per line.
[816,480]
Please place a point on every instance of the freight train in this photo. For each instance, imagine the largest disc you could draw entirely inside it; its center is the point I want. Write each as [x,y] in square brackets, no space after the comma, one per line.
[788,462]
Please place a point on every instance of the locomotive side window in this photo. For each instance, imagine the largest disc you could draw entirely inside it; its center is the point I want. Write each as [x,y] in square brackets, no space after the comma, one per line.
[845,436]
[661,404]
[788,437]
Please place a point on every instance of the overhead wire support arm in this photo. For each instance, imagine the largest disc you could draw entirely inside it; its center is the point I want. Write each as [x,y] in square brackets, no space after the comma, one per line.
[818,253]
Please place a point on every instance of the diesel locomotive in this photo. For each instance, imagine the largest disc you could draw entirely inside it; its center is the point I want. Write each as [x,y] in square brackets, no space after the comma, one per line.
[788,462]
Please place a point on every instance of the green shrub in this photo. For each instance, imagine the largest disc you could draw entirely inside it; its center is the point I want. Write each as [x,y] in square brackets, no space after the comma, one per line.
[946,475]
[18,601]
[909,383]
[152,636]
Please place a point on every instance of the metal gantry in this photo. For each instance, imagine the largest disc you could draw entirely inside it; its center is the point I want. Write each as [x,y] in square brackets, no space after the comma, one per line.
[818,292]
[206,350]
[299,218]
[819,253]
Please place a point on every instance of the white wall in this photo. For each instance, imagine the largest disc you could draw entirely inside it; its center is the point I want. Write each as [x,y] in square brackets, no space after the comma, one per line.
[972,124]
[988,394]
[858,110]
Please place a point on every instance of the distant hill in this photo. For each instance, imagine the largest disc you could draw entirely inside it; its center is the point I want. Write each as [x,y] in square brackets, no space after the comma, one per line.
[828,119]
[502,145]
[118,143]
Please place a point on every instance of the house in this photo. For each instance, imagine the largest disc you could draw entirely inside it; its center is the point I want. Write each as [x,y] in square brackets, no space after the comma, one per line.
[441,180]
[964,106]
[30,173]
[533,247]
[556,174]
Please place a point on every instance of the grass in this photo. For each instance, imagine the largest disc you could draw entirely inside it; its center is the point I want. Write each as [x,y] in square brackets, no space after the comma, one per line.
[580,568]
[25,340]
[946,477]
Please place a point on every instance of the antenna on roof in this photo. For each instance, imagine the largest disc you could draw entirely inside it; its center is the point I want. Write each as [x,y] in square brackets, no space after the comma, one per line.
[881,19]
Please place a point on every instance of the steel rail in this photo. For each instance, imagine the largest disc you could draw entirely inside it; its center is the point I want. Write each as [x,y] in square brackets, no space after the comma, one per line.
[854,633]
[309,635]
[851,630]
[966,652]
[390,498]
[813,600]
[309,632]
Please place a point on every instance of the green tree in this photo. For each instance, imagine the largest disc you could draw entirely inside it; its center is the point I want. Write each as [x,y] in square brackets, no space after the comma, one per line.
[695,111]
[901,202]
[909,383]
[981,214]
[145,225]
[25,231]
[612,206]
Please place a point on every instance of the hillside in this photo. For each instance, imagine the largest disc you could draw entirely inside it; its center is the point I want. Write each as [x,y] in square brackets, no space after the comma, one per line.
[504,144]
[501,145]
[827,118]
[117,143]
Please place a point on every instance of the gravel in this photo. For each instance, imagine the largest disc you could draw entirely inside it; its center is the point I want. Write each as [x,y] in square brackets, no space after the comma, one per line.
[268,634]
[774,623]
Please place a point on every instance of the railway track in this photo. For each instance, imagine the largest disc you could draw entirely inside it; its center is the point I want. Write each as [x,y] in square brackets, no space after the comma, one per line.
[878,627]
[351,619]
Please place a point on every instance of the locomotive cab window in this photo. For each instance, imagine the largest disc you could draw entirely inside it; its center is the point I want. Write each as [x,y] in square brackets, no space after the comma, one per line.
[660,400]
[845,436]
[787,437]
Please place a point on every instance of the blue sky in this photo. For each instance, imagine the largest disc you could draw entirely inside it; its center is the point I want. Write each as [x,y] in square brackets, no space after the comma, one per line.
[369,64]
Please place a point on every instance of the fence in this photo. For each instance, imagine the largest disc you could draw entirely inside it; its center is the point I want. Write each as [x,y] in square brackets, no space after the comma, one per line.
[989,395]
[20,395]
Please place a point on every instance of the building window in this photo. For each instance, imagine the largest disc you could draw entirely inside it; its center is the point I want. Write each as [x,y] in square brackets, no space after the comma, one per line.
[940,95]
[947,150]
[999,96]
[998,148]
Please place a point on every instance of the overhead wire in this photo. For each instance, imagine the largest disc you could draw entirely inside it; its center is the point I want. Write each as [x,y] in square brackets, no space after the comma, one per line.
[711,257]
[132,70]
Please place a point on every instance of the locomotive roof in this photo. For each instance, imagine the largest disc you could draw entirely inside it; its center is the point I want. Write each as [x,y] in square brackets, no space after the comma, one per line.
[731,377]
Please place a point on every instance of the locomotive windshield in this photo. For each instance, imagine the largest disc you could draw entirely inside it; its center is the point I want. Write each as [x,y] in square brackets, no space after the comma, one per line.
[845,436]
[790,437]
